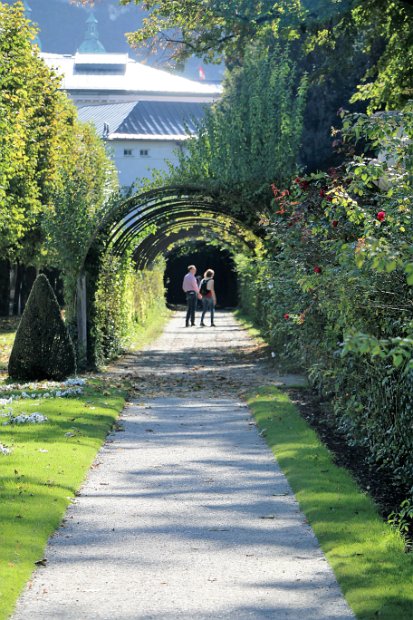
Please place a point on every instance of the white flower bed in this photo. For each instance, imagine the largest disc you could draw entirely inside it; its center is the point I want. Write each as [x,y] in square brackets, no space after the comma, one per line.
[42,385]
[23,418]
[47,389]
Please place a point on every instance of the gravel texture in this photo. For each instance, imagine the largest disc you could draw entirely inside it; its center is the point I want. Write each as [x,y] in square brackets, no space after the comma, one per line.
[185,514]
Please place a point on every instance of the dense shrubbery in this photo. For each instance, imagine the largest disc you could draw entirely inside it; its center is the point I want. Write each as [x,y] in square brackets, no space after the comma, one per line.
[334,294]
[42,348]
[124,299]
[252,135]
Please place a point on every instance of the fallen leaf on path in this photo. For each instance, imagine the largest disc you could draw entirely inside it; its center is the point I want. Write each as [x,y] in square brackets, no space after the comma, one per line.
[42,562]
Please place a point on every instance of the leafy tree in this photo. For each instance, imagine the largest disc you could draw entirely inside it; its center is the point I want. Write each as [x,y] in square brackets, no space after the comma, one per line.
[55,176]
[212,29]
[223,30]
[84,182]
[389,81]
[252,135]
[26,123]
[42,348]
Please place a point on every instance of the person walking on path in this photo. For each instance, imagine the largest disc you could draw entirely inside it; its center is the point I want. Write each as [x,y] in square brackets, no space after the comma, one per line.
[191,290]
[209,299]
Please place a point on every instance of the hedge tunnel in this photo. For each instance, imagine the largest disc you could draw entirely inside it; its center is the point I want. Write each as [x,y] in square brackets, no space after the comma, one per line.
[150,223]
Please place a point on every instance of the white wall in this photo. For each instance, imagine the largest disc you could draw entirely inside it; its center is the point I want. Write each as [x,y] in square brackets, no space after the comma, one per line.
[135,166]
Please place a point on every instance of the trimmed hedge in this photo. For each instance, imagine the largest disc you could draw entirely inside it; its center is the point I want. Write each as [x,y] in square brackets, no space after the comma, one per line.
[42,348]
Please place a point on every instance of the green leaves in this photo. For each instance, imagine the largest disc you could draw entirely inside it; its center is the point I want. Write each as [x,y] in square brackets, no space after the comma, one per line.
[213,29]
[251,137]
[55,176]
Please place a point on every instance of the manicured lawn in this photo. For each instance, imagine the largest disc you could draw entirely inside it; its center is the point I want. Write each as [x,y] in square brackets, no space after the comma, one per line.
[47,464]
[367,556]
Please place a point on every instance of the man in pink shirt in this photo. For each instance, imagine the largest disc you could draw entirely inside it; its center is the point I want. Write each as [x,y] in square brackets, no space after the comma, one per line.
[191,290]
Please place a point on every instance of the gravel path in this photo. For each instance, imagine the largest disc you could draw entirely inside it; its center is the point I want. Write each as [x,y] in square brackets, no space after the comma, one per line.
[186,514]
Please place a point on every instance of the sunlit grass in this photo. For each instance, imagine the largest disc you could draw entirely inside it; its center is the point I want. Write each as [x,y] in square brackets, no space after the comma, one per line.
[39,478]
[146,332]
[367,556]
[249,325]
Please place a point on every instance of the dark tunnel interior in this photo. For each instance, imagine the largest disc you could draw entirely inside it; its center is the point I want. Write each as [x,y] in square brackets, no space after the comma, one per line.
[204,257]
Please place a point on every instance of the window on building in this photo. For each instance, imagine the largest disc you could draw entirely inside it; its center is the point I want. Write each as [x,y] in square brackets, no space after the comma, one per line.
[144,153]
[127,152]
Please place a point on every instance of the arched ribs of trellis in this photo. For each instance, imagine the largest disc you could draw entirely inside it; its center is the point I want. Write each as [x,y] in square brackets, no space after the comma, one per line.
[148,222]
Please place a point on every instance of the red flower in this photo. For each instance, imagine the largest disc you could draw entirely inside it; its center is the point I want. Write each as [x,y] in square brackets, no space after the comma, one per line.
[334,223]
[274,189]
[322,192]
[304,184]
[329,198]
[381,215]
[297,180]
[286,316]
[317,269]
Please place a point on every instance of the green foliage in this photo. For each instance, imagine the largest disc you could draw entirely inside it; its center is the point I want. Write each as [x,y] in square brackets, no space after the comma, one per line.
[124,300]
[334,294]
[252,135]
[402,520]
[212,29]
[42,348]
[27,130]
[81,195]
[374,34]
[388,82]
[55,176]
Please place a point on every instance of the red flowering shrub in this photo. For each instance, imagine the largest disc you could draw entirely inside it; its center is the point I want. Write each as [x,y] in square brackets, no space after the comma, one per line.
[361,305]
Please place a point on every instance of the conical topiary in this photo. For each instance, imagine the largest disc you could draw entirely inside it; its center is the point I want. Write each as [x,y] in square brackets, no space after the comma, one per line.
[42,348]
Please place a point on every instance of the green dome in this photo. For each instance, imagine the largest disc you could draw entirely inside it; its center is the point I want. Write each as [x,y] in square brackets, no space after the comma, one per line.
[91,43]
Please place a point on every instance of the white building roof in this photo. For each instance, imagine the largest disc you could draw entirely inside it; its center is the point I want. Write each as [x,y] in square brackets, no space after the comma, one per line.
[120,73]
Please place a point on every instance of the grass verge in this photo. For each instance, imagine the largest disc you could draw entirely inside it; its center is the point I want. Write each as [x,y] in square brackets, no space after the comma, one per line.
[249,325]
[367,556]
[153,326]
[46,466]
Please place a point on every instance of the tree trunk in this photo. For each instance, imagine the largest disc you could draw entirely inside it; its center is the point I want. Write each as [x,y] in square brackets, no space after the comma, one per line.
[4,288]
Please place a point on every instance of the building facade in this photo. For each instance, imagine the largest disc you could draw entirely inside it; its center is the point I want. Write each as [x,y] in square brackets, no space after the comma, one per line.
[145,114]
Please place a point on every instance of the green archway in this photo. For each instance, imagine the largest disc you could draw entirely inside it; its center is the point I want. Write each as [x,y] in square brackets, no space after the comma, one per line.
[151,222]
